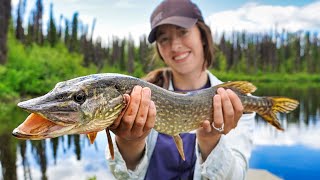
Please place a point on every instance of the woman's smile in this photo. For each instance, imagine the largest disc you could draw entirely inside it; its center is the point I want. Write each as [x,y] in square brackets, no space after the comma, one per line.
[181,57]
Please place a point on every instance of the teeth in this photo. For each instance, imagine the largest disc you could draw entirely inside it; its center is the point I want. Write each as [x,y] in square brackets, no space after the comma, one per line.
[182,56]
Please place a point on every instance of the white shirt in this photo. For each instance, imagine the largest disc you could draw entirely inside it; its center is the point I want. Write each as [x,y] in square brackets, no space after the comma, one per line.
[228,160]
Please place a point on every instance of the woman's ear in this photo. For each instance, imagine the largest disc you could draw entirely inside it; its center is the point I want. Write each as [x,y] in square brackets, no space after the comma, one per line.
[203,42]
[158,51]
[203,38]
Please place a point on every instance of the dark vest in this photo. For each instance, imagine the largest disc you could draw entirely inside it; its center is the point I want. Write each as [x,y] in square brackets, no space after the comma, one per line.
[166,163]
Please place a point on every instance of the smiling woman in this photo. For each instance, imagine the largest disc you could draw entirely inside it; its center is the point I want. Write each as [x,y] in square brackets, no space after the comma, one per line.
[184,43]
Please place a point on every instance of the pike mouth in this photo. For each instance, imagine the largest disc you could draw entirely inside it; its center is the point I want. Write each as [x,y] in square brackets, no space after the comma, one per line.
[37,127]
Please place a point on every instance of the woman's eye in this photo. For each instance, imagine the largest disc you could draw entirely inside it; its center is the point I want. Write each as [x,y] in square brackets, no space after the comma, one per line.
[163,40]
[183,32]
[80,97]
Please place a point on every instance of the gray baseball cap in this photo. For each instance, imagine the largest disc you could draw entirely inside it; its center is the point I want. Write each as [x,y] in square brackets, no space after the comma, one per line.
[183,13]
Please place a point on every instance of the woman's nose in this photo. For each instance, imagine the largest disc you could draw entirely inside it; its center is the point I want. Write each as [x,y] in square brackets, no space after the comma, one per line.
[176,43]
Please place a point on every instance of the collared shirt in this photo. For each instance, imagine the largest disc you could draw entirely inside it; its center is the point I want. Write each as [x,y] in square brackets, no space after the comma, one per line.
[228,160]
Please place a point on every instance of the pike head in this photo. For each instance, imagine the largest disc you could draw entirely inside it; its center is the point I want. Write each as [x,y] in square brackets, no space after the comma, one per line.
[82,105]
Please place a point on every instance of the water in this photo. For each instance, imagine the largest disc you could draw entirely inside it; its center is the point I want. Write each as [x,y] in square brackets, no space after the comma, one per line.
[292,154]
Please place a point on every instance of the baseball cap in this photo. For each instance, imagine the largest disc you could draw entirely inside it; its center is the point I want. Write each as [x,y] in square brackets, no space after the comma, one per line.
[183,13]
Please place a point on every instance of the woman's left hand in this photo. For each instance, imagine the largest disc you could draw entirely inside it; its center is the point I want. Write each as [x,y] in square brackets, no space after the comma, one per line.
[227,110]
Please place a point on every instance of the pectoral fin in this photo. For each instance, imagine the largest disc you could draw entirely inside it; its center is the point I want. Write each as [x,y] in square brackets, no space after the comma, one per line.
[92,136]
[110,144]
[179,144]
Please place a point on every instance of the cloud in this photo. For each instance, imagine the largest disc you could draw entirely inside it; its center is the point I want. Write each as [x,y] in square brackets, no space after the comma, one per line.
[294,134]
[106,31]
[70,168]
[124,4]
[14,2]
[253,17]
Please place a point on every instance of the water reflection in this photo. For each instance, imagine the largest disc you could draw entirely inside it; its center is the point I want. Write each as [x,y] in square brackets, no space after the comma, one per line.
[294,153]
[74,157]
[301,126]
[7,157]
[301,132]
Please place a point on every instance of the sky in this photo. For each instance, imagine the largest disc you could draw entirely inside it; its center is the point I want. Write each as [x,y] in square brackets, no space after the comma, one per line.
[124,18]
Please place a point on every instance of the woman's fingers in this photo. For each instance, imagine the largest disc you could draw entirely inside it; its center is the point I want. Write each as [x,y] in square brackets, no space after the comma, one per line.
[139,117]
[237,106]
[230,106]
[206,126]
[227,108]
[116,123]
[151,119]
[142,114]
[217,112]
[131,113]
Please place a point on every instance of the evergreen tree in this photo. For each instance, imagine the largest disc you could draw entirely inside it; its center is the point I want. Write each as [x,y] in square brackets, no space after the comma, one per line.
[130,66]
[52,29]
[5,14]
[67,33]
[122,62]
[37,23]
[20,15]
[60,27]
[74,34]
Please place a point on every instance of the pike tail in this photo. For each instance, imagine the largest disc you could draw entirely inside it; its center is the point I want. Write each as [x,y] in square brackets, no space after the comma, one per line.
[266,107]
[279,104]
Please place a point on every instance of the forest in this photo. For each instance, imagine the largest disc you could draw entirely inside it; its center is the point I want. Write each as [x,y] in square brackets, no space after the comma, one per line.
[32,59]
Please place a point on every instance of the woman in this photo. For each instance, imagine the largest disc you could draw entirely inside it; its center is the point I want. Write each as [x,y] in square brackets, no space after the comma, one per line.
[216,151]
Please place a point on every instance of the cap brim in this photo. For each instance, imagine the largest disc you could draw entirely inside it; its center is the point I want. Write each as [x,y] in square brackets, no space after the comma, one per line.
[184,22]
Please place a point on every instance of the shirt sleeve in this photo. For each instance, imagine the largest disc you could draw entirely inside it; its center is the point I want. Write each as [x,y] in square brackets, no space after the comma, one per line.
[229,159]
[118,166]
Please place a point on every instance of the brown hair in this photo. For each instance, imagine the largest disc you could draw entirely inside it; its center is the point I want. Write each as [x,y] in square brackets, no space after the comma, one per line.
[208,45]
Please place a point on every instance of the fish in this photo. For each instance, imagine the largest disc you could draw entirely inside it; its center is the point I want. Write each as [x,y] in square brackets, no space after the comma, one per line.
[89,104]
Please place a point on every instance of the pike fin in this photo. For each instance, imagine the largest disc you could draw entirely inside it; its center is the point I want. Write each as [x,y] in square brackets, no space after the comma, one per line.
[179,143]
[110,144]
[92,136]
[279,104]
[243,87]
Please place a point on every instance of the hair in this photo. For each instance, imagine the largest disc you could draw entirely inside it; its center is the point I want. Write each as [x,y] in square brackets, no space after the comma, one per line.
[208,45]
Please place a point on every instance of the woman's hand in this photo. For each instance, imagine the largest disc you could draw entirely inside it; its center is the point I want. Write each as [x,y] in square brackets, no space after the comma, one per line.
[136,123]
[227,110]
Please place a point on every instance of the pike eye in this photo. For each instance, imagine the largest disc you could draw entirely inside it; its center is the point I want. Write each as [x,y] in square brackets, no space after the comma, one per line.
[79,97]
[117,86]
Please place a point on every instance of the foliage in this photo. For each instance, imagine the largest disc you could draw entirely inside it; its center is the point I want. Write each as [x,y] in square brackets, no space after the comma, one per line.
[92,178]
[36,69]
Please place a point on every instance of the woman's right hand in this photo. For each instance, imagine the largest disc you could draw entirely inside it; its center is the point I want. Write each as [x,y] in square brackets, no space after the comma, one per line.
[136,123]
[139,117]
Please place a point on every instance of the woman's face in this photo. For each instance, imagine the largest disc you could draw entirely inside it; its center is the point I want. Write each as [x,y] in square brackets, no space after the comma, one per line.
[180,48]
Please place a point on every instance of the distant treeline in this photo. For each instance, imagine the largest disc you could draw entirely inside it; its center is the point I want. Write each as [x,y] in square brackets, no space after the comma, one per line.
[283,52]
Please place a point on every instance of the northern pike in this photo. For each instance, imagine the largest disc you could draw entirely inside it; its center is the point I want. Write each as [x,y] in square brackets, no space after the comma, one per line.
[89,104]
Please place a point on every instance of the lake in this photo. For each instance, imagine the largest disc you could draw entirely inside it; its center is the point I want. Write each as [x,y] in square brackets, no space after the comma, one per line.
[292,154]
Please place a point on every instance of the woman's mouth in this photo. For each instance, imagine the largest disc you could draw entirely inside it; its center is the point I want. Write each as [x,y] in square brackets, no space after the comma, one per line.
[181,57]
